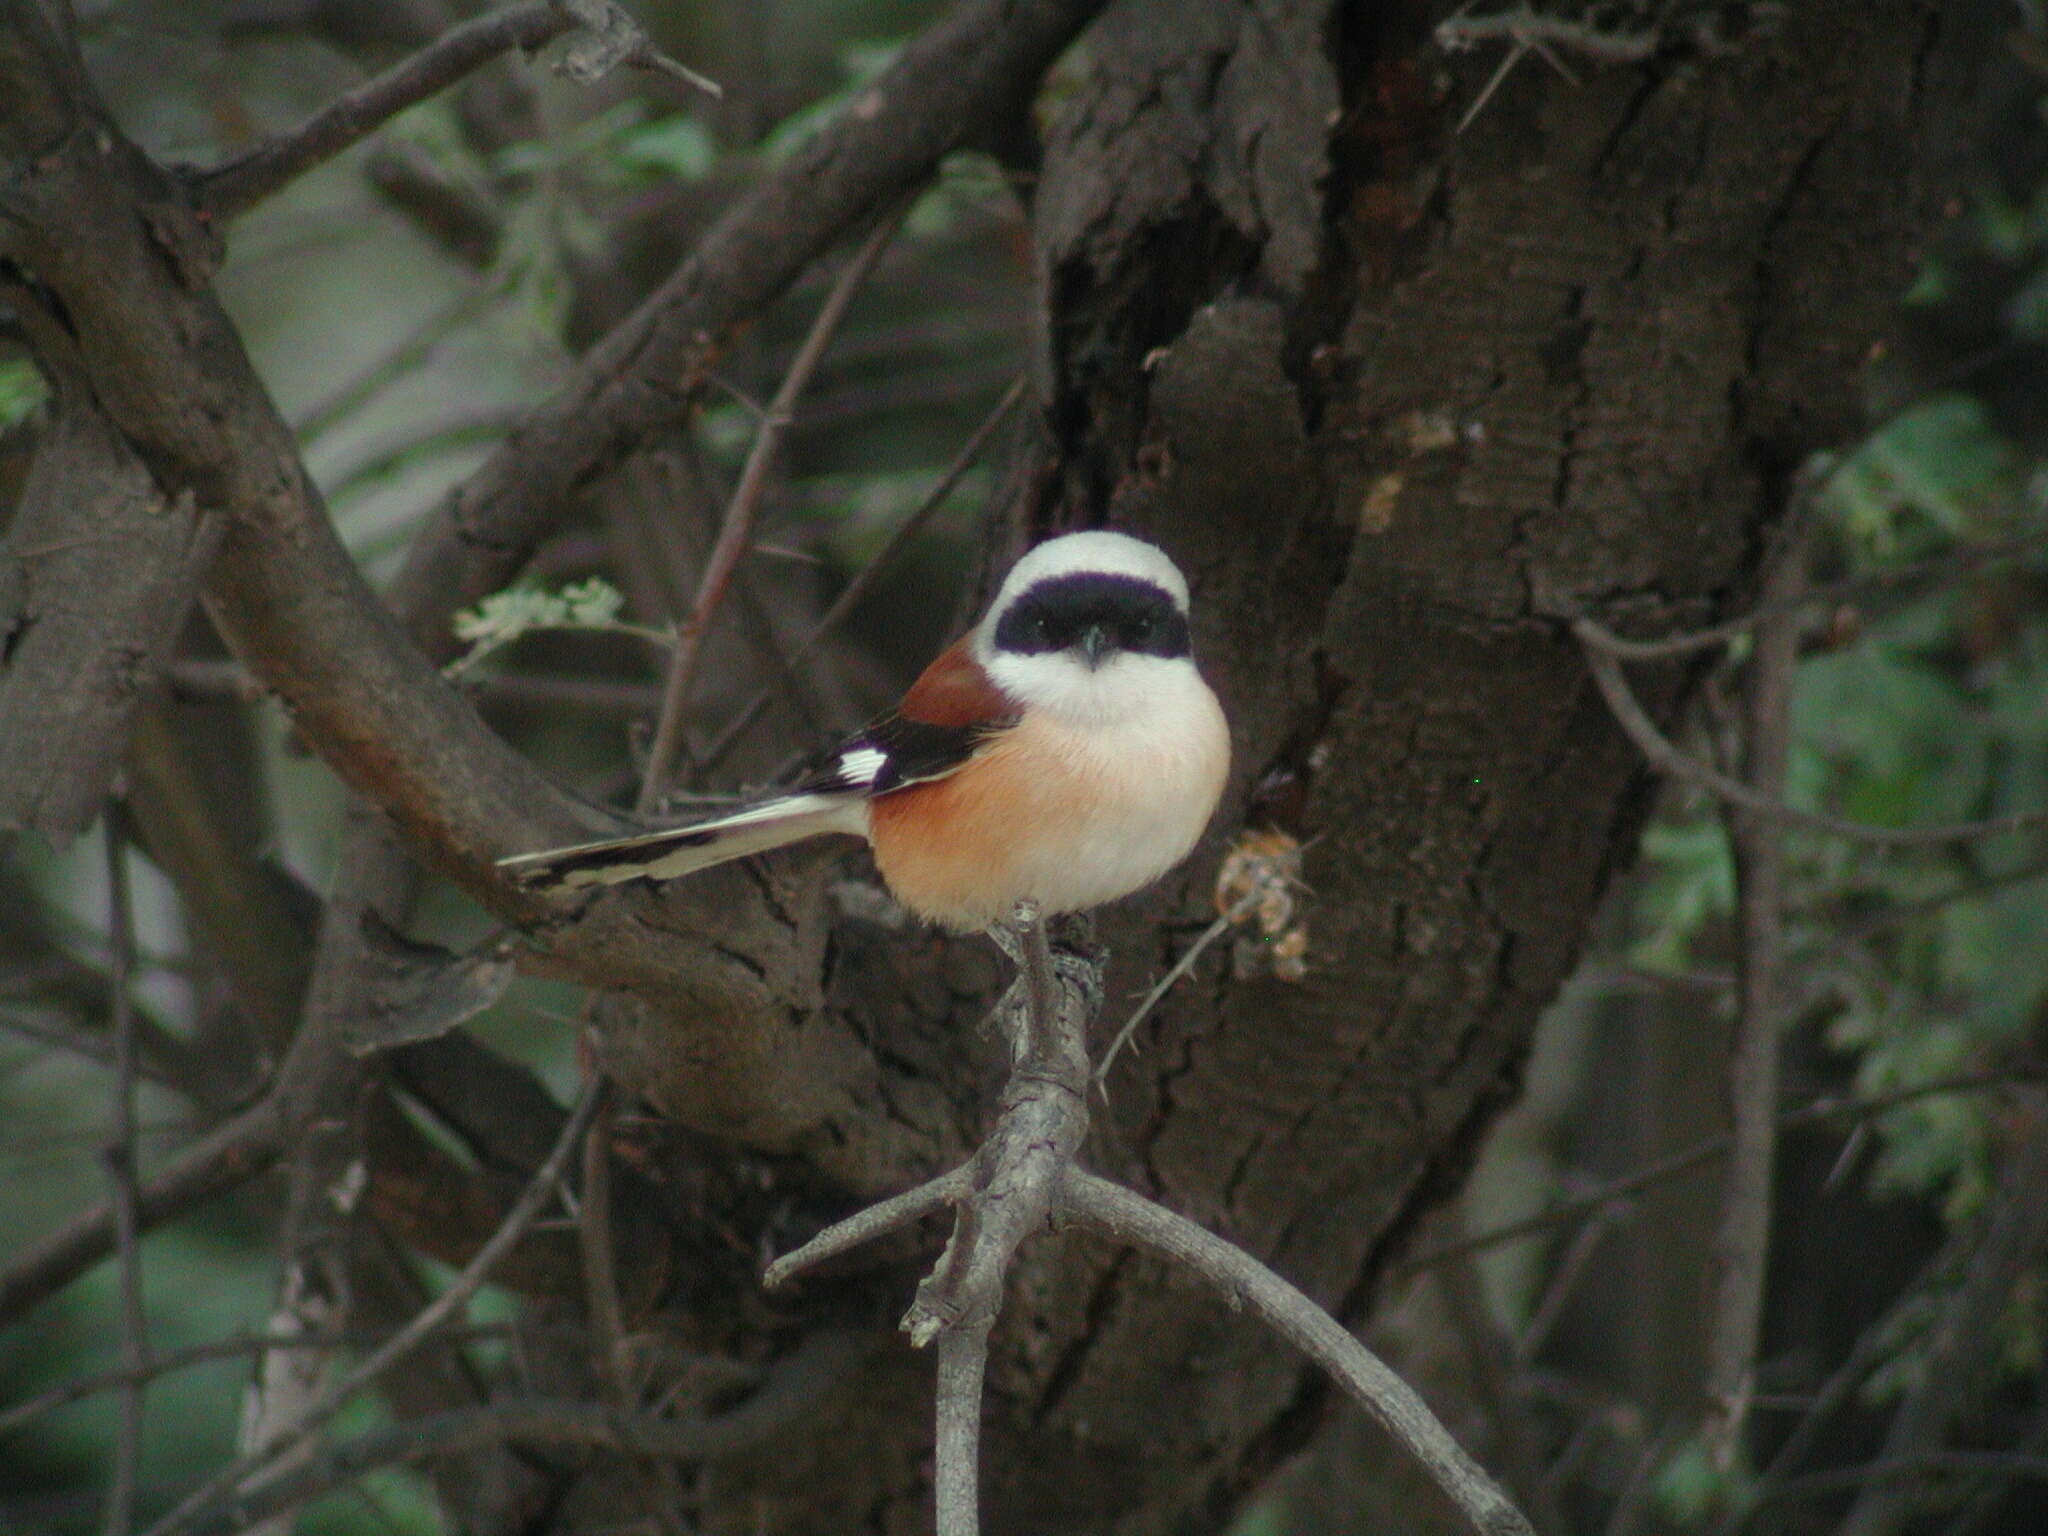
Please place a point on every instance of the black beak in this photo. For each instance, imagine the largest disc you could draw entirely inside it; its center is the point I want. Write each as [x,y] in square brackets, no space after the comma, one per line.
[1094,644]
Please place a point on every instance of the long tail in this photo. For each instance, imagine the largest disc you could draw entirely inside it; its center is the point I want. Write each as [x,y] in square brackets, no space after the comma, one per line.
[684,850]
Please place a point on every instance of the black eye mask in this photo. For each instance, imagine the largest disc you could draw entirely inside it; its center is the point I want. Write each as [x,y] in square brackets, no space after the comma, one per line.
[1132,614]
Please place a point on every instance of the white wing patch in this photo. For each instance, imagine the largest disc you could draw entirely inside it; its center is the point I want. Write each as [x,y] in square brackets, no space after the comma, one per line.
[860,766]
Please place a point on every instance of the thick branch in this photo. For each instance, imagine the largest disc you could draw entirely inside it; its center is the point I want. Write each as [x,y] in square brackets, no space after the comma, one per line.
[107,235]
[1128,1217]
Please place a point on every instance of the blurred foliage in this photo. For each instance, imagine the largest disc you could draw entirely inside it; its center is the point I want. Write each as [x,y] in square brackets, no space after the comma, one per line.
[404,355]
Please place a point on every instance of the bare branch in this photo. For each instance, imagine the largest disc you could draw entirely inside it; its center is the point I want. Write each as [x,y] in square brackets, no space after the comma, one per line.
[611,38]
[956,1447]
[1242,1280]
[973,71]
[1026,1173]
[171,1360]
[875,1221]
[1528,27]
[1966,1334]
[233,1154]
[1741,1243]
[119,1518]
[1616,1191]
[1037,1136]
[248,179]
[1223,923]
[544,1186]
[1956,562]
[128,262]
[857,588]
[1665,756]
[792,1386]
[737,527]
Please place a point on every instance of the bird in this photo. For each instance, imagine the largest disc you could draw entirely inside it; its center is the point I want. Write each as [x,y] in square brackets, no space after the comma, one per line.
[1062,754]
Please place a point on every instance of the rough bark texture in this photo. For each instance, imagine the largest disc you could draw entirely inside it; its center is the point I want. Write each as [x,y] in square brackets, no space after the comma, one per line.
[1400,406]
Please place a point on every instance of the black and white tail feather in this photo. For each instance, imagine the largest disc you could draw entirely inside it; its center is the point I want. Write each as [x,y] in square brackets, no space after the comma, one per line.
[891,754]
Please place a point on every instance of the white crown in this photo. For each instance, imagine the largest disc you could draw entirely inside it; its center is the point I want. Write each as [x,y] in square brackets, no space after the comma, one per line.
[1110,554]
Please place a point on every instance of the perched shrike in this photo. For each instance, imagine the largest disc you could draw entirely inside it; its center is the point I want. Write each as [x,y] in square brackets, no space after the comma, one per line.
[1065,752]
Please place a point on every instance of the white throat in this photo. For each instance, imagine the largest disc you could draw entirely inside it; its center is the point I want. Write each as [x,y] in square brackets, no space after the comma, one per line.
[1127,689]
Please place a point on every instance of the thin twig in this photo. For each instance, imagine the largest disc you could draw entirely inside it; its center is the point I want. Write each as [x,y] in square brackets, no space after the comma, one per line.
[1742,1239]
[120,1161]
[876,1221]
[1684,1160]
[233,1154]
[857,588]
[1955,562]
[1209,935]
[607,1317]
[1665,756]
[737,527]
[544,1186]
[245,181]
[1871,1346]
[1241,1279]
[172,1360]
[792,1387]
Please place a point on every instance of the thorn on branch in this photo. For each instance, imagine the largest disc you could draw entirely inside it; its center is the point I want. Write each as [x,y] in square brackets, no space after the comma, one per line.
[610,38]
[1528,27]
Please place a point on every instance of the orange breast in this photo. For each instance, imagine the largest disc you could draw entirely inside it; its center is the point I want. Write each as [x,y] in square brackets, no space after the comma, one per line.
[948,847]
[1066,816]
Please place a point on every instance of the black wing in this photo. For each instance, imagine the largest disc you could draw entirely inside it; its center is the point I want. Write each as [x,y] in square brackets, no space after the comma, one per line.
[896,752]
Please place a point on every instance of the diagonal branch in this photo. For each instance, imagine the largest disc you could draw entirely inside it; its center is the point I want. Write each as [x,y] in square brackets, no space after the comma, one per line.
[1665,756]
[230,1155]
[857,588]
[969,76]
[736,529]
[248,179]
[1241,1279]
[544,1186]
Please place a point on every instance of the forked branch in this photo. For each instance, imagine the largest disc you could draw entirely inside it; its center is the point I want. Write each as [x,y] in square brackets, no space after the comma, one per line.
[1025,1177]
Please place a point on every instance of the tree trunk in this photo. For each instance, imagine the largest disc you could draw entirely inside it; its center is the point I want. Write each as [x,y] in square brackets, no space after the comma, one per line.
[1402,402]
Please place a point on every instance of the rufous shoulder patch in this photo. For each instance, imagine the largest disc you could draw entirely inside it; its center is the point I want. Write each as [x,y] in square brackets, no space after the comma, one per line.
[955,691]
